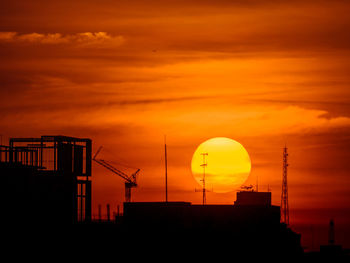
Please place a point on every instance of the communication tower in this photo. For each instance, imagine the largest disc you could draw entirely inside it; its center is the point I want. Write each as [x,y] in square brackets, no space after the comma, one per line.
[284,196]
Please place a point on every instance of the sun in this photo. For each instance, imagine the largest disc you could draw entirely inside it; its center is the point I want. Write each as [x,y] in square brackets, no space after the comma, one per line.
[228,164]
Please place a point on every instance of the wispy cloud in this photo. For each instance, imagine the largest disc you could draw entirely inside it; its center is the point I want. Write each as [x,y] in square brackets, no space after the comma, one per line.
[85,38]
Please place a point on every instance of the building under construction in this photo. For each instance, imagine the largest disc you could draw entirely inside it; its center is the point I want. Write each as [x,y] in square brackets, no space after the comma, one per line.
[46,180]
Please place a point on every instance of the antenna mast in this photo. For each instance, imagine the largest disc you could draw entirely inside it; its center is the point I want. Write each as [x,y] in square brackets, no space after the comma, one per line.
[203,180]
[284,196]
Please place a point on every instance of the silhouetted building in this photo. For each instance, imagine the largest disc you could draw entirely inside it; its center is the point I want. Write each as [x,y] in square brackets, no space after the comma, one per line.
[46,180]
[251,224]
[248,198]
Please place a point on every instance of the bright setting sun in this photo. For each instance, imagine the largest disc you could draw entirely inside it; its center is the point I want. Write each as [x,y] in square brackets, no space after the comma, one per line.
[228,164]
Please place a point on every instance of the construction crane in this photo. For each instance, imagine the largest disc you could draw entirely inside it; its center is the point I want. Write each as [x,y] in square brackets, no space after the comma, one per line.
[130,180]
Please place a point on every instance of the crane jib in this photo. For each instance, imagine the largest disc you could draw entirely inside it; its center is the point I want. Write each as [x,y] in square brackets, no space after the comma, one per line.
[131,179]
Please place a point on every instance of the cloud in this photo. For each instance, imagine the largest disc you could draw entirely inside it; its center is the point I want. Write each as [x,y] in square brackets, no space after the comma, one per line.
[295,120]
[41,38]
[85,38]
[7,36]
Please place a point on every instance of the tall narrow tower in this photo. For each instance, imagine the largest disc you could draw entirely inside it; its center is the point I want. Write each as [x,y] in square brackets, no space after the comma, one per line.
[204,164]
[284,196]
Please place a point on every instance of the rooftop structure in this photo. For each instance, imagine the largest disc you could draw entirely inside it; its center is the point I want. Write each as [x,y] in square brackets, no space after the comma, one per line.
[46,179]
[252,198]
[252,223]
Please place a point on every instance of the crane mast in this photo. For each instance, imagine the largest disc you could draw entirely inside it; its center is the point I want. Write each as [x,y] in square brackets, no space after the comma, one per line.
[130,180]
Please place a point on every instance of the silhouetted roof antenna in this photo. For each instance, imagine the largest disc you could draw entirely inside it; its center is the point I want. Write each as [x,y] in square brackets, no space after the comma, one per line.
[204,165]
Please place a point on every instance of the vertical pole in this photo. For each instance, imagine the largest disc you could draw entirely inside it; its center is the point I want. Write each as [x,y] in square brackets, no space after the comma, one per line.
[99,213]
[37,158]
[16,155]
[88,158]
[87,200]
[166,170]
[204,193]
[11,151]
[41,153]
[54,156]
[81,202]
[88,191]
[108,213]
[203,180]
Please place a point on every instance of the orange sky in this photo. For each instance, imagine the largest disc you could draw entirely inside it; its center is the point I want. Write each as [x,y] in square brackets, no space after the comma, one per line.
[124,73]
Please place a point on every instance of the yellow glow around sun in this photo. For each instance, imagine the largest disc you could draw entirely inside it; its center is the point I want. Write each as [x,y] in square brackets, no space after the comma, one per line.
[228,164]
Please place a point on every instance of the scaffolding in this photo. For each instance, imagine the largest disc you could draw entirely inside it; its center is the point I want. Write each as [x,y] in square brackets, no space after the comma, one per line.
[59,163]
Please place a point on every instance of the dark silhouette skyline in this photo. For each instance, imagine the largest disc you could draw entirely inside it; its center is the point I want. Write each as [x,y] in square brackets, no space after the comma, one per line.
[47,184]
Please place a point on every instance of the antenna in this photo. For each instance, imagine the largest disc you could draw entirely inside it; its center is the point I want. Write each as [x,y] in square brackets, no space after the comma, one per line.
[99,213]
[284,196]
[166,170]
[204,164]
